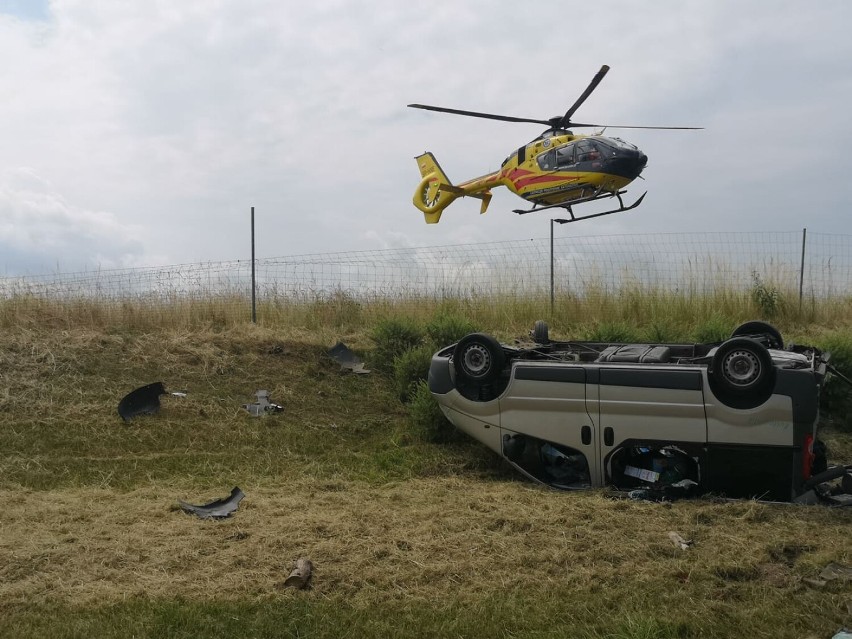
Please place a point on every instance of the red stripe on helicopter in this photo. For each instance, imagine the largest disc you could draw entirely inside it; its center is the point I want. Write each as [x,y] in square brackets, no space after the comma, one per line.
[518,177]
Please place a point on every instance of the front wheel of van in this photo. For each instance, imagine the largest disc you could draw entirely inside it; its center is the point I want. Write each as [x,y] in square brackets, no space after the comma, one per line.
[741,373]
[478,358]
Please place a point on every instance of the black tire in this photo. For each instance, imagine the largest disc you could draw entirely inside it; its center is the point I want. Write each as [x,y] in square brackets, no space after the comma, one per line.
[540,333]
[742,374]
[478,358]
[756,328]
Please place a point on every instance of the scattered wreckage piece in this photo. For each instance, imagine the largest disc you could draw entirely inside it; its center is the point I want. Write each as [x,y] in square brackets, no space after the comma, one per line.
[218,509]
[262,406]
[831,572]
[348,360]
[832,487]
[735,419]
[301,575]
[144,401]
[680,542]
[835,571]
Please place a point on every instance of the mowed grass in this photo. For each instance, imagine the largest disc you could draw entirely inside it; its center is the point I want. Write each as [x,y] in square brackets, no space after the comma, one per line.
[409,538]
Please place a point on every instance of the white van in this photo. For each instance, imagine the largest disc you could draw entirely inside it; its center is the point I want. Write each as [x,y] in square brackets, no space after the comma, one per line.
[737,418]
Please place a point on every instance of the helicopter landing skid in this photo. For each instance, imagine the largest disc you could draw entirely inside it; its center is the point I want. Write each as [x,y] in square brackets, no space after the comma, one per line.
[577,218]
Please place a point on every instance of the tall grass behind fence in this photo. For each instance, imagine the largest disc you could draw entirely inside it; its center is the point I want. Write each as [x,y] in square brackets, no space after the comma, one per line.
[593,271]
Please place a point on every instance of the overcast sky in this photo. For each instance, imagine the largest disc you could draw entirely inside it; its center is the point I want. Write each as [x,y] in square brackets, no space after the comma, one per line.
[140,132]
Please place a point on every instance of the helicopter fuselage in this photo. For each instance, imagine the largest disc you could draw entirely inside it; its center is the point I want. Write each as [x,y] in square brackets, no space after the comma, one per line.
[563,168]
[555,169]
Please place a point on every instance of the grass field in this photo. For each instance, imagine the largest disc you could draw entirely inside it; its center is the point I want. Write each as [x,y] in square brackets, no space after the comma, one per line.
[409,538]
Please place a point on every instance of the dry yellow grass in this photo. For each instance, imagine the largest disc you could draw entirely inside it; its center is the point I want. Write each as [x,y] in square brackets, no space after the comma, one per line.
[428,539]
[414,541]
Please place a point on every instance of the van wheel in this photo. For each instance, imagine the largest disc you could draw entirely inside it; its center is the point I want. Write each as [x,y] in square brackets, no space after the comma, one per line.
[756,327]
[741,373]
[478,358]
[540,333]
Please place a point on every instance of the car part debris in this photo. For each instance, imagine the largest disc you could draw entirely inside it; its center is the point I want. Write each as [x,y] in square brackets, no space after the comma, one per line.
[832,487]
[669,492]
[262,405]
[680,542]
[144,401]
[218,509]
[341,353]
[300,576]
[834,571]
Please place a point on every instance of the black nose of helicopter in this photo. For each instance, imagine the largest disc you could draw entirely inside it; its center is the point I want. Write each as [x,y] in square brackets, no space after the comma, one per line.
[628,163]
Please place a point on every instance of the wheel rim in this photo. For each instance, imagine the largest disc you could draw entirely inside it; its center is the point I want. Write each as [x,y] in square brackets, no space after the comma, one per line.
[741,368]
[476,360]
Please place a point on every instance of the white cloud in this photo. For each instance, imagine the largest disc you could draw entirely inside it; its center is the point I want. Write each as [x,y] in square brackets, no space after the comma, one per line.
[39,227]
[175,118]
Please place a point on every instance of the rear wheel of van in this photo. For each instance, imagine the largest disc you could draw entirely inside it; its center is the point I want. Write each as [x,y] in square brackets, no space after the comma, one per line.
[540,333]
[741,373]
[478,358]
[756,327]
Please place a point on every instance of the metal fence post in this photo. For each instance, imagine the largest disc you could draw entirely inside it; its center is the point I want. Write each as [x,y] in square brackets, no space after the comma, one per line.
[551,267]
[253,294]
[802,269]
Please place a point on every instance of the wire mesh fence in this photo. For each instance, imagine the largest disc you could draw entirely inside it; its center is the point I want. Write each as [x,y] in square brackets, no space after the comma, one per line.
[814,265]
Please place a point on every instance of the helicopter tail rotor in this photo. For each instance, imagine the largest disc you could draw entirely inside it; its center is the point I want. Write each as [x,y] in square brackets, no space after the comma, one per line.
[435,191]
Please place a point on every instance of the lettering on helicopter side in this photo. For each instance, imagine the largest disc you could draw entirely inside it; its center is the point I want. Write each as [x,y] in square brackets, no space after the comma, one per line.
[553,189]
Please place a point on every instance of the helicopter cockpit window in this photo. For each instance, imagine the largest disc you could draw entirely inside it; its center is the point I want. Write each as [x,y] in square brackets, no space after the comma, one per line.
[587,151]
[547,161]
[621,144]
[565,156]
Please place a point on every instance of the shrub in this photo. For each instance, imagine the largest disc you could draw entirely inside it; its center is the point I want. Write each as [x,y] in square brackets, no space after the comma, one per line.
[767,299]
[714,329]
[446,328]
[836,396]
[426,416]
[394,336]
[409,368]
[612,332]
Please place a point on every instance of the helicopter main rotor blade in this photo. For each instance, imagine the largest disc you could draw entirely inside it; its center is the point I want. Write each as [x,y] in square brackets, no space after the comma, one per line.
[575,125]
[566,119]
[476,114]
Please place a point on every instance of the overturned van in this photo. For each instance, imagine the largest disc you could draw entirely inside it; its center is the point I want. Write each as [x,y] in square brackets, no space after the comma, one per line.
[736,418]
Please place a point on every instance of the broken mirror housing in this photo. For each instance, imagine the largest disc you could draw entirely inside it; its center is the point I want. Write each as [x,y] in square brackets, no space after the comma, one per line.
[735,418]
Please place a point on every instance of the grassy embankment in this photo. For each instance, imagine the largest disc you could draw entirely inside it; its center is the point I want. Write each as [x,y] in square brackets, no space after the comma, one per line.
[409,537]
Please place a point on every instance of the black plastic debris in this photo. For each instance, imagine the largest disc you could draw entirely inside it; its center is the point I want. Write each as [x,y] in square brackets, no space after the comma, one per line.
[262,406]
[341,353]
[144,401]
[218,509]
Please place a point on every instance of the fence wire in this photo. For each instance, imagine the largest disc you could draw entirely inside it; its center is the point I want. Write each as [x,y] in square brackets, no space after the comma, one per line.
[817,264]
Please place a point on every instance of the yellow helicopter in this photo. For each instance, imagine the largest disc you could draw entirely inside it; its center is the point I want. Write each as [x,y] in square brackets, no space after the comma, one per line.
[557,169]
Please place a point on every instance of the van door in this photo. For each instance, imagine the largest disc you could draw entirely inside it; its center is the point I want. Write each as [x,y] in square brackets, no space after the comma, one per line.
[547,431]
[641,410]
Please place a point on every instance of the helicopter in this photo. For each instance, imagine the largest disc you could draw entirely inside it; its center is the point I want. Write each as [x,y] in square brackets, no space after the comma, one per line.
[558,169]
